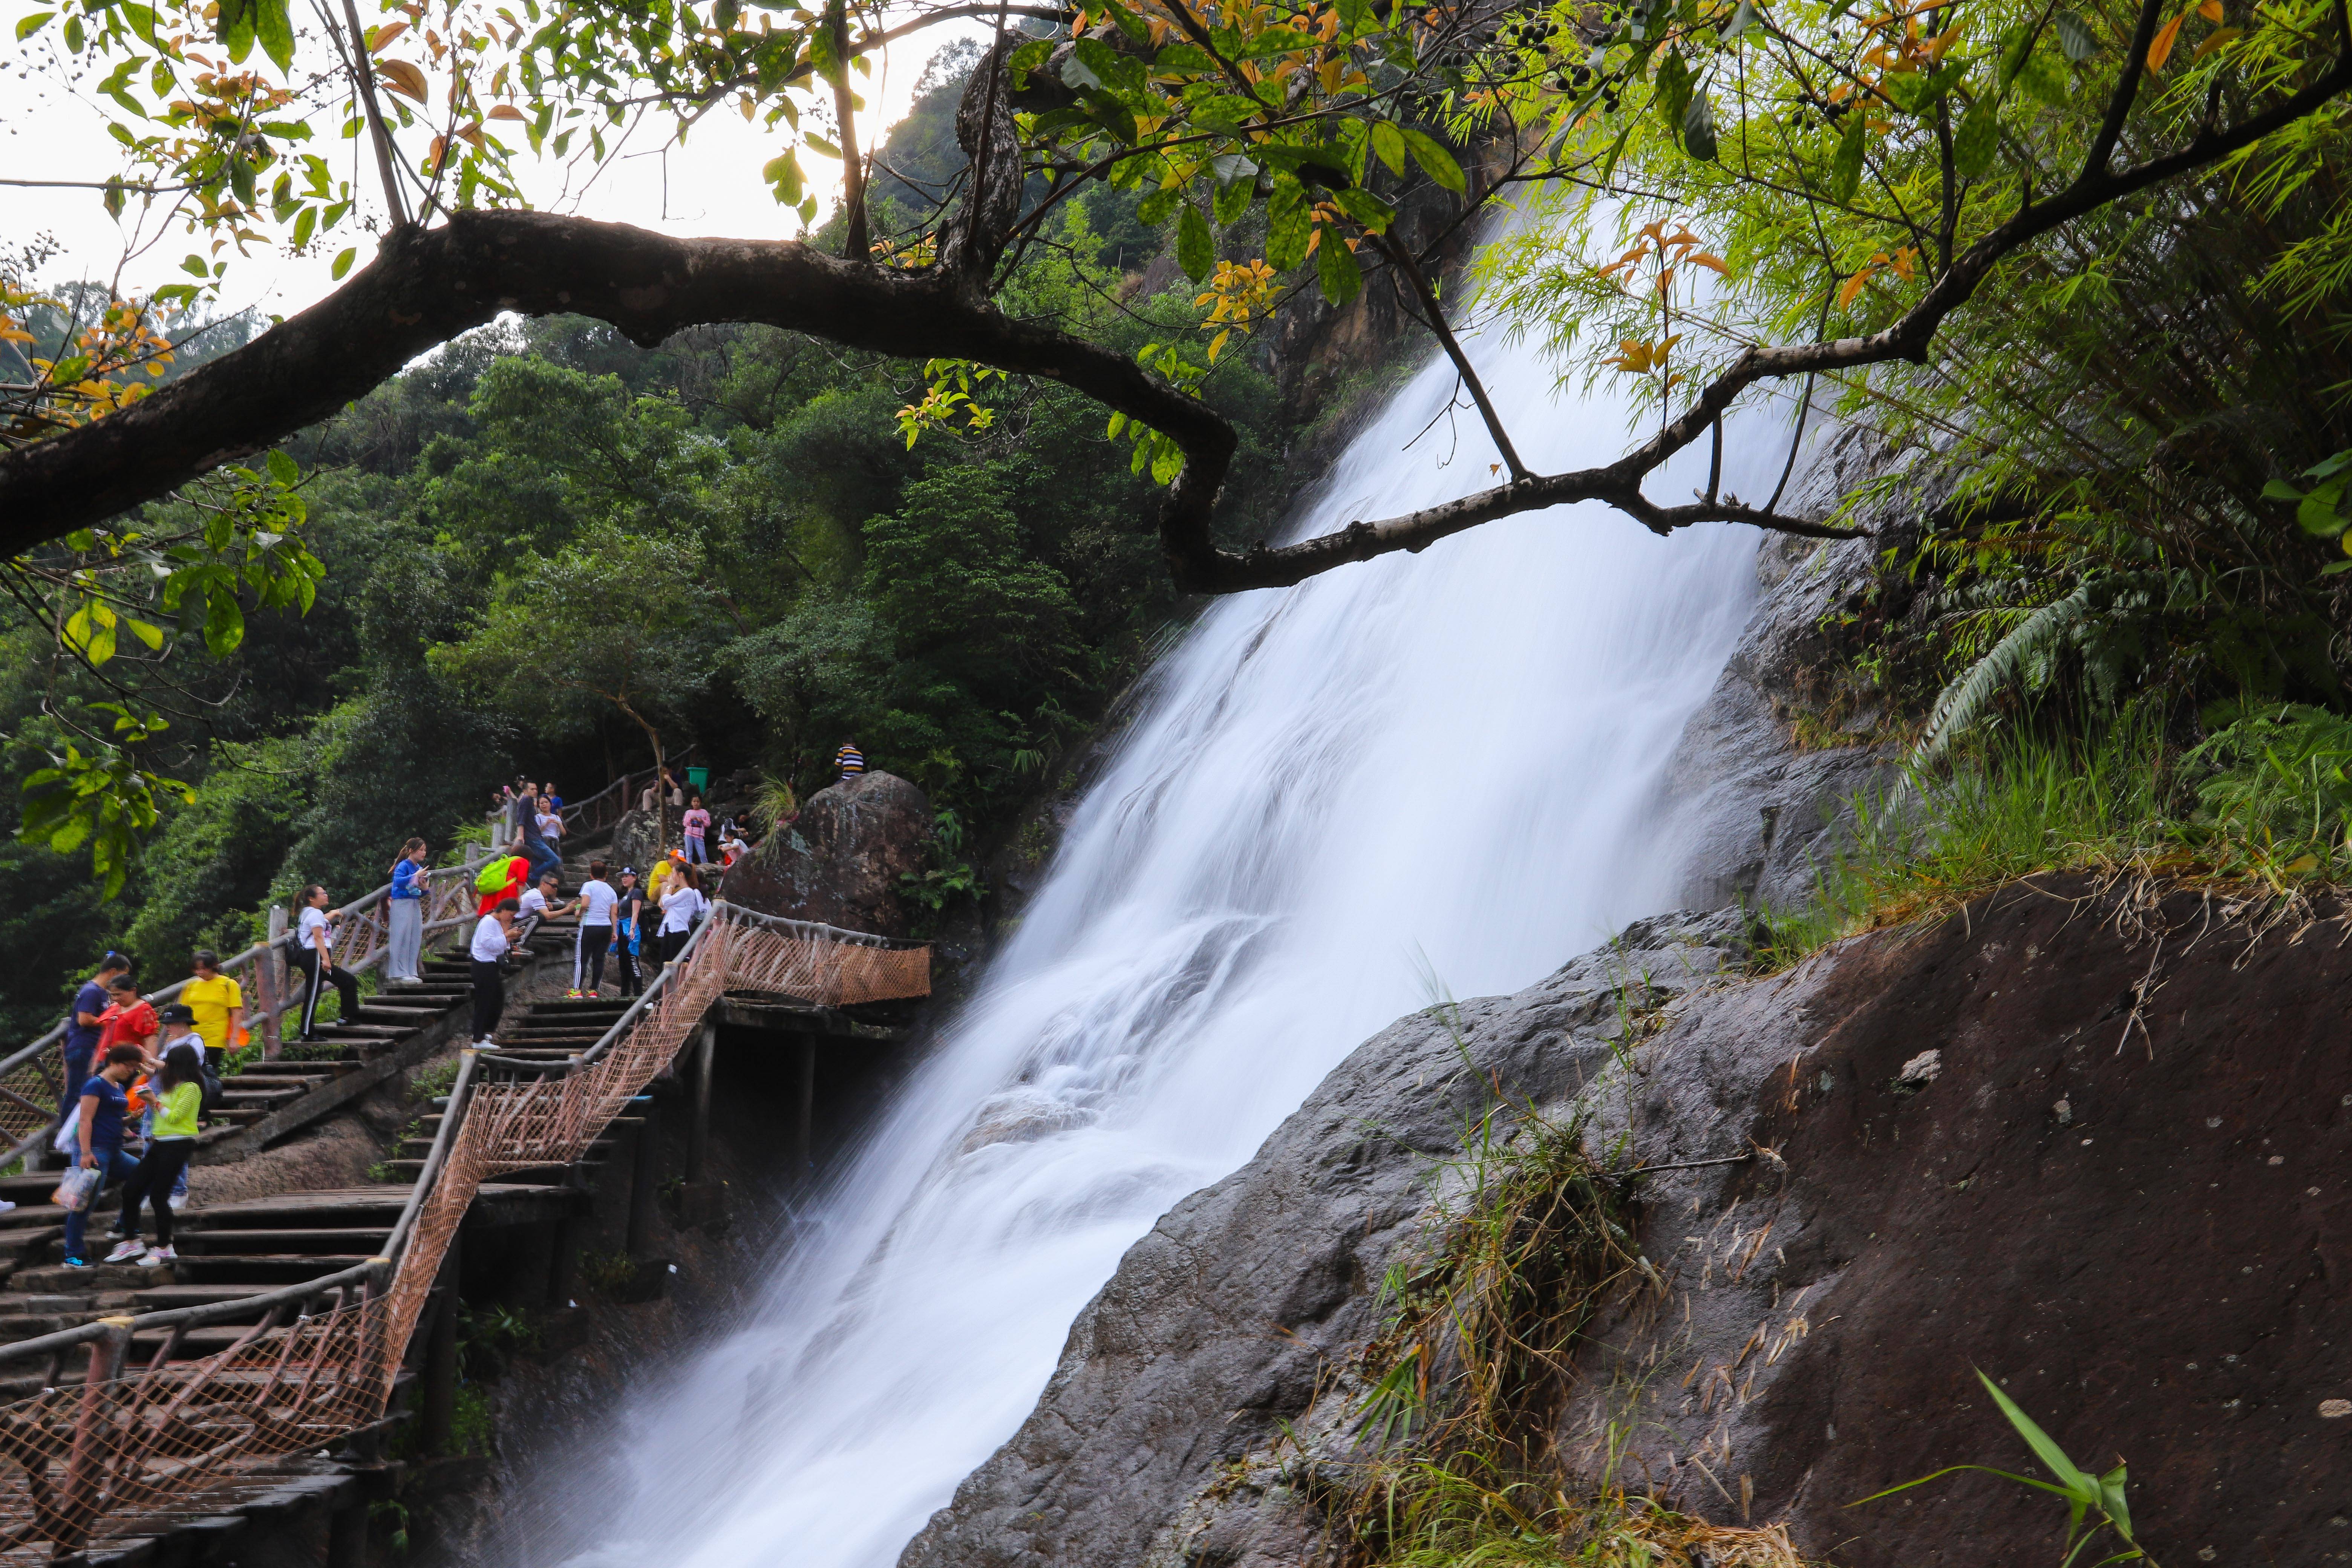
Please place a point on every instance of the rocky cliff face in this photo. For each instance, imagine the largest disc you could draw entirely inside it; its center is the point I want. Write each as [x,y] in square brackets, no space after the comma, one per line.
[2091,1143]
[840,863]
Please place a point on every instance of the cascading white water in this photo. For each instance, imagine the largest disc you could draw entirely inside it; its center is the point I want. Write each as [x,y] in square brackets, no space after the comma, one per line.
[1433,766]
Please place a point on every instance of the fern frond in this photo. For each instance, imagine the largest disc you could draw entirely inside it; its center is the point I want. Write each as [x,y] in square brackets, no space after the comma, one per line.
[1963,702]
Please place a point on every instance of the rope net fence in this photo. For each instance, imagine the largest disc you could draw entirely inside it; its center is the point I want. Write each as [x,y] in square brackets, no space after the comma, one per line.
[113,1444]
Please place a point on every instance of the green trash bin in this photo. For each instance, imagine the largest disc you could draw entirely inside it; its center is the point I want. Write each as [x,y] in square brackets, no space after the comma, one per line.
[699,780]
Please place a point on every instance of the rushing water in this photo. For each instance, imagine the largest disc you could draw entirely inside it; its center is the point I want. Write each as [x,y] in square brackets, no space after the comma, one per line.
[1433,769]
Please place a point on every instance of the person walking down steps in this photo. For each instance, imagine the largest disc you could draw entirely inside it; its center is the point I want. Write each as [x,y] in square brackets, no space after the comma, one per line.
[179,1094]
[97,1139]
[314,956]
[493,940]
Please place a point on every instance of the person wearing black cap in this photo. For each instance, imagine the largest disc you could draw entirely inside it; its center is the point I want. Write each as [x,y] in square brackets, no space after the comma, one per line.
[628,925]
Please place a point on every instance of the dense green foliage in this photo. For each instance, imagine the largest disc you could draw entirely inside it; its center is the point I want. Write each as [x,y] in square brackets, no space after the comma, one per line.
[544,545]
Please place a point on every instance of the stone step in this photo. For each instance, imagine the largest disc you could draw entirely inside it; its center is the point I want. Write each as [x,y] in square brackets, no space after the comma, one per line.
[164,1297]
[261,1267]
[57,1278]
[256,1241]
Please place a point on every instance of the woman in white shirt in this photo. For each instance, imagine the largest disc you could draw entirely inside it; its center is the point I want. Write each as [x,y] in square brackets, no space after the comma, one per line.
[595,934]
[314,942]
[492,939]
[682,904]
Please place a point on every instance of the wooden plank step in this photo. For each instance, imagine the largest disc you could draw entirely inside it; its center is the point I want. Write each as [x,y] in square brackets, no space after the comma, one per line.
[259,1242]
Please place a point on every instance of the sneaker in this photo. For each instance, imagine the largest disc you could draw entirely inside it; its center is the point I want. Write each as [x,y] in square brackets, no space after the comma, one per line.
[6,1205]
[157,1256]
[128,1251]
[77,1262]
[575,995]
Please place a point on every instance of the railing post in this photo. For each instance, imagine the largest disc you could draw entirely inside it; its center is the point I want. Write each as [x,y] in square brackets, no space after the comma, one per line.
[441,1355]
[697,1132]
[86,1461]
[643,1180]
[272,969]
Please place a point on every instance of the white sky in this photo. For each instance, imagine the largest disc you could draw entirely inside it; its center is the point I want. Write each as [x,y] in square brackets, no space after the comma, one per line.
[711,186]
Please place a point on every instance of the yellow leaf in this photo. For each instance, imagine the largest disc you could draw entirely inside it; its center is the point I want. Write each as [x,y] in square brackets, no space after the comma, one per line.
[506,111]
[2220,38]
[1217,343]
[2210,10]
[2302,864]
[402,78]
[1853,286]
[1708,259]
[2161,49]
[384,35]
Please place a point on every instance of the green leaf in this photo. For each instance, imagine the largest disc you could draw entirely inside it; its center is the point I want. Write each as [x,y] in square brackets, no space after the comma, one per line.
[1128,22]
[1288,221]
[1673,94]
[1388,145]
[1616,151]
[1153,209]
[283,468]
[28,26]
[235,27]
[1743,19]
[1845,167]
[1336,268]
[344,262]
[2075,36]
[1977,140]
[275,30]
[1698,129]
[153,636]
[223,624]
[1435,160]
[1276,41]
[1182,56]
[2328,468]
[2054,1458]
[2317,513]
[2279,489]
[1366,208]
[1196,253]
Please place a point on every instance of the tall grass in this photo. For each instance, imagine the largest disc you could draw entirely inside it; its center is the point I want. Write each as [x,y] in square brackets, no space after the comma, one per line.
[2264,803]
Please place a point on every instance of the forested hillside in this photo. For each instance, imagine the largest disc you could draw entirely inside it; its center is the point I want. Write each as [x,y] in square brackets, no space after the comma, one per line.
[543,546]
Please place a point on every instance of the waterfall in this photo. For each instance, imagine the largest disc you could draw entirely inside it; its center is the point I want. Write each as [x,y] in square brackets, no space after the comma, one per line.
[1437,769]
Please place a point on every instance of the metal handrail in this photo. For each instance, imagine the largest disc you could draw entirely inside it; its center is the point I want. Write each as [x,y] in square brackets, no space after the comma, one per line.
[460,1095]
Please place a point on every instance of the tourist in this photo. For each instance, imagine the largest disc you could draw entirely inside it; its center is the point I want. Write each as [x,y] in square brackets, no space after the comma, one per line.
[84,1024]
[314,955]
[731,846]
[849,760]
[628,923]
[404,946]
[493,938]
[681,906]
[97,1135]
[510,876]
[129,1019]
[538,908]
[650,796]
[177,1094]
[594,936]
[542,858]
[696,824]
[551,822]
[216,1005]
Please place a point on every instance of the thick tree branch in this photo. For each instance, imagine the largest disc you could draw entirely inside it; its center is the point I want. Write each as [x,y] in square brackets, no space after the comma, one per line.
[424,287]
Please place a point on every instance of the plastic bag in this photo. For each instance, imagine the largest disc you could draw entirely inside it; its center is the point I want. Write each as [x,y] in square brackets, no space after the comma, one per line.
[68,1140]
[78,1187]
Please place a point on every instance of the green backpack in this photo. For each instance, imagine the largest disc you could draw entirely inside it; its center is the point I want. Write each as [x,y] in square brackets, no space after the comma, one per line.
[493,877]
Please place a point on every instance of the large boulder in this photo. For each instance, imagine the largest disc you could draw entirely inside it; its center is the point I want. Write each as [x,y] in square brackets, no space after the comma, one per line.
[636,842]
[841,860]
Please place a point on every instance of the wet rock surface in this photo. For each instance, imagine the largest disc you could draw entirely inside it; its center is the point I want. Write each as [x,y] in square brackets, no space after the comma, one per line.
[2117,1184]
[841,861]
[1218,1323]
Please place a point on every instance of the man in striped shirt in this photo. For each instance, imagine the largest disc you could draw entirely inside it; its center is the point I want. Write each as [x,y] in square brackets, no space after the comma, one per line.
[849,760]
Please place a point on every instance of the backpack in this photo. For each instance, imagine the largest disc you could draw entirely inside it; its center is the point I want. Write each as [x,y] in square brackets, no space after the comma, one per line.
[493,877]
